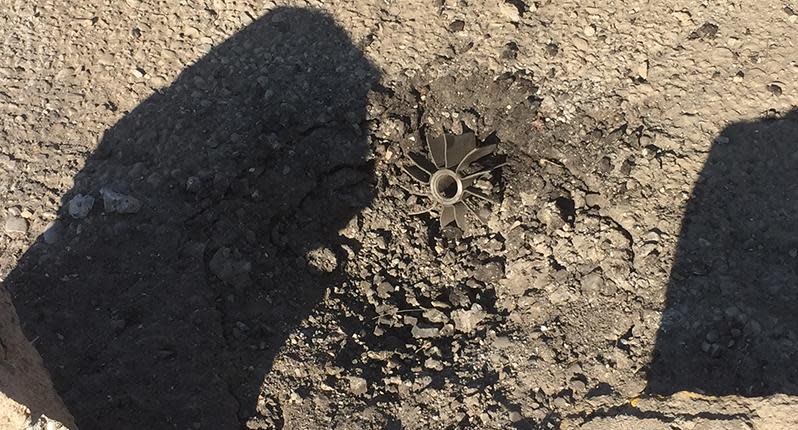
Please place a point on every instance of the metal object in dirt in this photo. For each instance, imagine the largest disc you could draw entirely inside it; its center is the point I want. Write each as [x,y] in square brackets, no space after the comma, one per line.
[447,178]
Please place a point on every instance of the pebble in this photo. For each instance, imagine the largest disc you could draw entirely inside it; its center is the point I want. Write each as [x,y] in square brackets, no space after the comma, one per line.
[589,31]
[721,140]
[435,316]
[489,272]
[15,224]
[548,106]
[642,70]
[118,202]
[467,321]
[592,284]
[707,30]
[384,290]
[457,25]
[358,386]
[80,206]
[434,364]
[580,44]
[424,333]
[510,12]
[577,386]
[552,50]
[52,233]
[595,200]
[459,297]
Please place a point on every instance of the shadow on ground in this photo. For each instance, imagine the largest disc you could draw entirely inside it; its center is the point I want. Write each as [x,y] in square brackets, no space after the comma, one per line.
[730,325]
[245,169]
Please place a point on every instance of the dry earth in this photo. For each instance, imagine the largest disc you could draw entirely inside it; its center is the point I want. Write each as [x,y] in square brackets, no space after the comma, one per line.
[205,222]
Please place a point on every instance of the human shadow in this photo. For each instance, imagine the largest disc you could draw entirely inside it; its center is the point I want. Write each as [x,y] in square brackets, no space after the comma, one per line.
[214,232]
[731,320]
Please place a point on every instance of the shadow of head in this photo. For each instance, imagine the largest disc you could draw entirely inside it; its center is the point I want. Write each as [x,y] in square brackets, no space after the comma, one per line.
[730,325]
[219,202]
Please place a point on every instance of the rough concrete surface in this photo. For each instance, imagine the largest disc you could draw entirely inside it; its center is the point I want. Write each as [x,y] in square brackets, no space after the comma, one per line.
[205,223]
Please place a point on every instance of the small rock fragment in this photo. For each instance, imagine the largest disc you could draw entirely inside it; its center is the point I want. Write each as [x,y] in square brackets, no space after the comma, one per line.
[707,30]
[118,202]
[577,386]
[384,290]
[459,297]
[80,206]
[548,107]
[489,272]
[510,12]
[551,50]
[434,364]
[592,284]
[457,25]
[15,224]
[594,200]
[642,70]
[358,386]
[423,333]
[52,233]
[435,316]
[467,321]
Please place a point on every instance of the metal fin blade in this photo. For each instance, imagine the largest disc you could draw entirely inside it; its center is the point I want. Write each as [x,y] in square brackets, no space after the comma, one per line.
[459,215]
[473,212]
[413,192]
[417,173]
[472,178]
[476,193]
[475,155]
[423,211]
[447,215]
[500,165]
[458,147]
[437,150]
[423,163]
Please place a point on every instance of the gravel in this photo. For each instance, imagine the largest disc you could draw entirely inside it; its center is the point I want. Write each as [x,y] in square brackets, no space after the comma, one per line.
[254,253]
